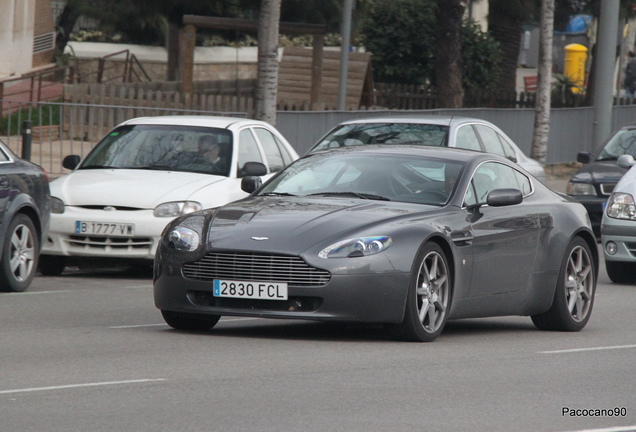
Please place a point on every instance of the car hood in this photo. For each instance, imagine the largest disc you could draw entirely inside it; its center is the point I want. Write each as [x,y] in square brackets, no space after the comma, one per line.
[599,172]
[128,188]
[294,224]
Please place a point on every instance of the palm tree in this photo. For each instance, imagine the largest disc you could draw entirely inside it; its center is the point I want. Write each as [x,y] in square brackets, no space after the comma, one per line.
[267,73]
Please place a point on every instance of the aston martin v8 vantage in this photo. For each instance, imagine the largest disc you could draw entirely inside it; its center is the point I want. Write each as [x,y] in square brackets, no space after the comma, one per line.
[407,236]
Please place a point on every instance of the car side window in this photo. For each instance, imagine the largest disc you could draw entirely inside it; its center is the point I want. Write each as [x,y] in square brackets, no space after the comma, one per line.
[466,138]
[508,150]
[490,139]
[287,158]
[3,156]
[272,151]
[490,176]
[248,149]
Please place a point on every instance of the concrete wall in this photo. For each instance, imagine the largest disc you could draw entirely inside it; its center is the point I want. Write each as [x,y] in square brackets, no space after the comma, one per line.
[17,18]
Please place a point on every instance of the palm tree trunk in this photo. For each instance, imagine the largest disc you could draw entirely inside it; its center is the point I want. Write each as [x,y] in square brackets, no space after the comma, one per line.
[448,56]
[267,78]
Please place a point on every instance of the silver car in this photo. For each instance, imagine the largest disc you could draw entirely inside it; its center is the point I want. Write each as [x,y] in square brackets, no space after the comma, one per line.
[434,130]
[618,226]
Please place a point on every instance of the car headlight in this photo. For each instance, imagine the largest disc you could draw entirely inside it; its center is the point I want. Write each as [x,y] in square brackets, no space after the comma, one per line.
[176,208]
[356,247]
[621,206]
[581,189]
[57,205]
[183,239]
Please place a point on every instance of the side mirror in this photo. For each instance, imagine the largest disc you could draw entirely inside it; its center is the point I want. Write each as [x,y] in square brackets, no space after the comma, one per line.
[250,183]
[626,161]
[71,162]
[584,157]
[504,197]
[254,169]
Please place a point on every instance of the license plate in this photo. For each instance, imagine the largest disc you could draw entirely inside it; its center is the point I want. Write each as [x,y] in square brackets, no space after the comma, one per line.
[250,289]
[104,228]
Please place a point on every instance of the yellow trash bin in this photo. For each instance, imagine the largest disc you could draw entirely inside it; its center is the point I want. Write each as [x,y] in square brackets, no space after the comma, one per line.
[574,65]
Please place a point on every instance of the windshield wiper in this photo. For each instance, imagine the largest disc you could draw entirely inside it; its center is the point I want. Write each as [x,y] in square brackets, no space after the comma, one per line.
[354,194]
[99,167]
[153,167]
[277,194]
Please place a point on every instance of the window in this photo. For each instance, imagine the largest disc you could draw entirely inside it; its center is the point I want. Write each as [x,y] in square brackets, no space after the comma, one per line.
[490,139]
[490,176]
[272,151]
[467,138]
[248,150]
[508,150]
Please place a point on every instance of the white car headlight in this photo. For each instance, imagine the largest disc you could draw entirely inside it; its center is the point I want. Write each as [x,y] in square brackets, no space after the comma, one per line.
[57,205]
[176,208]
[621,206]
[581,189]
[356,247]
[184,239]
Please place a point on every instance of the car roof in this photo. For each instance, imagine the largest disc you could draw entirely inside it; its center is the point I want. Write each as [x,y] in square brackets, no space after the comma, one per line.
[443,120]
[206,121]
[451,153]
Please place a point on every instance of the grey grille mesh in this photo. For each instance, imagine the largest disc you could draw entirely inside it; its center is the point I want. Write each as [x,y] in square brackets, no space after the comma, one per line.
[255,267]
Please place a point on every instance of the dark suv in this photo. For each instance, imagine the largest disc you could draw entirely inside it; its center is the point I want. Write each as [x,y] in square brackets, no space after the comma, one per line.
[594,182]
[25,209]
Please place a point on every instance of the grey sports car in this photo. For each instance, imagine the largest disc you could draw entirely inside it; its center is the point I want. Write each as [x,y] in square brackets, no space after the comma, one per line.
[407,236]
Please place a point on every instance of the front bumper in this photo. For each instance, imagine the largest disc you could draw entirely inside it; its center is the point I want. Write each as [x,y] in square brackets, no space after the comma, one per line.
[623,234]
[365,290]
[63,240]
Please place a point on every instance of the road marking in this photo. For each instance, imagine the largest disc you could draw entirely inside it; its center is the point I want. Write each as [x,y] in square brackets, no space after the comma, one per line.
[72,386]
[36,292]
[588,349]
[164,324]
[611,429]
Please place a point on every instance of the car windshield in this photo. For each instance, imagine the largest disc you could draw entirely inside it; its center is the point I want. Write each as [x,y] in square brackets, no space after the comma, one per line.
[385,133]
[160,147]
[378,176]
[623,142]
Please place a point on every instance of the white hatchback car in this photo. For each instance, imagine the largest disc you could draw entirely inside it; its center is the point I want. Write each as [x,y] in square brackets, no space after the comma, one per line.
[146,172]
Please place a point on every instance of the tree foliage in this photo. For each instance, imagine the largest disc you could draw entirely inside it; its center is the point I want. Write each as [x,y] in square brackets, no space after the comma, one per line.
[401,36]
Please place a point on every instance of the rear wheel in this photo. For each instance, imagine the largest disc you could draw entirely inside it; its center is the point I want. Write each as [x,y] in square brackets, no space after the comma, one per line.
[574,294]
[429,297]
[190,322]
[621,272]
[19,255]
[52,265]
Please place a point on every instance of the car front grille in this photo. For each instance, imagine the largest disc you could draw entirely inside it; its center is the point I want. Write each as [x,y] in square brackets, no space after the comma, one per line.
[256,267]
[607,188]
[109,243]
[631,248]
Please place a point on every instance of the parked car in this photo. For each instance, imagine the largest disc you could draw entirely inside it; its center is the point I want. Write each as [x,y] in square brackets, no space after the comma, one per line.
[25,209]
[404,235]
[618,226]
[433,130]
[144,173]
[595,181]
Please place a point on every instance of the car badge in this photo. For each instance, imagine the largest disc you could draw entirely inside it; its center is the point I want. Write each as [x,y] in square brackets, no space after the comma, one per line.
[109,208]
[260,238]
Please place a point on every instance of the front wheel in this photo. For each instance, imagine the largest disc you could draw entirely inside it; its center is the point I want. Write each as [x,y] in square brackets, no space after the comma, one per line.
[19,255]
[189,322]
[621,272]
[574,294]
[429,297]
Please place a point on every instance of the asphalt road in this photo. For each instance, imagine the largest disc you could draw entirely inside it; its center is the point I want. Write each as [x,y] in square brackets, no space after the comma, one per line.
[89,352]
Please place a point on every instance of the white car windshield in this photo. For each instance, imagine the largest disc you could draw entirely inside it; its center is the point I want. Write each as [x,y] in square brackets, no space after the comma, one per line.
[160,147]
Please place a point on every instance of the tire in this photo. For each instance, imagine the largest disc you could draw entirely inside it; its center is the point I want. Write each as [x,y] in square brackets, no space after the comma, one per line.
[19,255]
[621,272]
[52,265]
[574,294]
[189,322]
[428,299]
